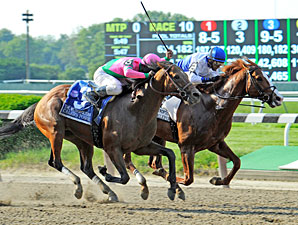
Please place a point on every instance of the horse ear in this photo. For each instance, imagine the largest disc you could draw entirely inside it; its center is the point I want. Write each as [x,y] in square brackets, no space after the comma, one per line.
[244,62]
[247,60]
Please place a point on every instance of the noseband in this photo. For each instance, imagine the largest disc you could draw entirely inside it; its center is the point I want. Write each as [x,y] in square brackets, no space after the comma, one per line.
[181,91]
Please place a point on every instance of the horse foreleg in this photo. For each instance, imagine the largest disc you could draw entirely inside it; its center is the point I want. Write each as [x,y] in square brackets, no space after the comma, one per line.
[141,179]
[224,150]
[116,157]
[187,157]
[156,149]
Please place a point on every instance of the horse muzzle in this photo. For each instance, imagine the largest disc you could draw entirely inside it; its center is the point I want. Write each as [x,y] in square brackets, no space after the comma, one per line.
[275,100]
[192,98]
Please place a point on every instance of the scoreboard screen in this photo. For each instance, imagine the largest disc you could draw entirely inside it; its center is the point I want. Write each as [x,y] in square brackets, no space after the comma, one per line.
[271,43]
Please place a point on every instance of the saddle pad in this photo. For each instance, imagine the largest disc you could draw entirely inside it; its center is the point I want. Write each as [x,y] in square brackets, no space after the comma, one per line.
[171,105]
[76,107]
[163,115]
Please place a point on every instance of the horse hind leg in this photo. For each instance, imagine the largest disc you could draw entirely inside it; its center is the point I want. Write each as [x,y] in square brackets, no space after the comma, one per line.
[141,179]
[86,154]
[155,161]
[55,162]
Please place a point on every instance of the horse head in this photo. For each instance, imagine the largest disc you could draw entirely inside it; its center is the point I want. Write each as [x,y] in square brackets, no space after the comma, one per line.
[175,82]
[257,84]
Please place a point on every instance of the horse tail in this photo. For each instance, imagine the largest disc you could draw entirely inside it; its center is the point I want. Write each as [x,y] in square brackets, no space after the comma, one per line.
[25,119]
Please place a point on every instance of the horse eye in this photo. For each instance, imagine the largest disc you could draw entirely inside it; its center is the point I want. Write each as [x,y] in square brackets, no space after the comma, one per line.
[259,79]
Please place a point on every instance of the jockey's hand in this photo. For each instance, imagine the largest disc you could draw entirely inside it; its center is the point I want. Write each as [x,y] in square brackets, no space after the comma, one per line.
[151,73]
[213,79]
[169,54]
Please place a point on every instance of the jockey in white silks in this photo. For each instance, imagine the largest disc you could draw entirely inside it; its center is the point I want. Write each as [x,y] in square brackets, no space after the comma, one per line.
[201,68]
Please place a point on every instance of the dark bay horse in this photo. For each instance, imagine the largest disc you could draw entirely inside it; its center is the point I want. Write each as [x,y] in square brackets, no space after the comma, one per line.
[126,127]
[205,125]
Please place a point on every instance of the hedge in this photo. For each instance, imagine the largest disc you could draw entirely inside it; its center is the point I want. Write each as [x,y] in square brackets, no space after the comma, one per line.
[28,138]
[17,101]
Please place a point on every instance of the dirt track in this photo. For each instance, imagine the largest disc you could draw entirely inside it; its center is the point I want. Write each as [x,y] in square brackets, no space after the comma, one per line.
[31,198]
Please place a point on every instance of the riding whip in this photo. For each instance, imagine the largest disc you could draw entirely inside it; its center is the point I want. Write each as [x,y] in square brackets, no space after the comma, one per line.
[153,26]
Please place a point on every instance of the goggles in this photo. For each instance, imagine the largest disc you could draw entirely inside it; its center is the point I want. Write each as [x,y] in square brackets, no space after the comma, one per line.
[217,63]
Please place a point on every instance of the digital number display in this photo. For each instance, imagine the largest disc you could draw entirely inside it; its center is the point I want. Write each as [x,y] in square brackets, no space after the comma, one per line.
[271,43]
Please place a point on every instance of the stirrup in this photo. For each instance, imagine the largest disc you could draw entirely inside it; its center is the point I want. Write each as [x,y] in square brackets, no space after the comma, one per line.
[93,84]
[91,97]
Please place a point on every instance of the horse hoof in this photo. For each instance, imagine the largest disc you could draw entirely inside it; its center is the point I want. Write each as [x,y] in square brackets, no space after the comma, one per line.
[180,194]
[216,181]
[78,194]
[159,172]
[113,197]
[171,193]
[145,193]
[102,170]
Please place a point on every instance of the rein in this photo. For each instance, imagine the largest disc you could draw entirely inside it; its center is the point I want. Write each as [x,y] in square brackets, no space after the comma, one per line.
[181,91]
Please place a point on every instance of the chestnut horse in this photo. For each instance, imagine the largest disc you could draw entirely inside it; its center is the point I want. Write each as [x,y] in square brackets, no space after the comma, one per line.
[205,125]
[126,127]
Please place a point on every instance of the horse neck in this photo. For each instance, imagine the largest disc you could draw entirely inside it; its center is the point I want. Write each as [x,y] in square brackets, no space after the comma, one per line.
[149,104]
[234,86]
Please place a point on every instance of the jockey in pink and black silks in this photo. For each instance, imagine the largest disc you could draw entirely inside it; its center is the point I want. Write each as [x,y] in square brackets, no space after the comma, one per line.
[107,77]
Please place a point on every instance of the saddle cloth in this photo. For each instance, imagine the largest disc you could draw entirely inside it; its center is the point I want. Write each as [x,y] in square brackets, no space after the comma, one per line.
[76,107]
[168,112]
[171,105]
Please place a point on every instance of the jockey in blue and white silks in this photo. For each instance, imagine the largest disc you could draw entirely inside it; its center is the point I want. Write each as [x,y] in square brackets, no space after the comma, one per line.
[203,67]
[200,68]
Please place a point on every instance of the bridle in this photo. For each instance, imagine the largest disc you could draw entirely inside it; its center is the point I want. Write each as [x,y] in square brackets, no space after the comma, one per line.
[263,96]
[181,91]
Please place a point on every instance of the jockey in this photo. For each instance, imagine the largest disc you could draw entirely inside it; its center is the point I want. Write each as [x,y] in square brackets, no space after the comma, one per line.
[203,67]
[105,77]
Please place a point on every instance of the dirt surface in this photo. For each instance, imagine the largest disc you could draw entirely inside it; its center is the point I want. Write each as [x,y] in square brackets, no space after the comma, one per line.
[47,198]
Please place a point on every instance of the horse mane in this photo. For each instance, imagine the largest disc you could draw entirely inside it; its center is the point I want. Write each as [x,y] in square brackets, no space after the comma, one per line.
[139,83]
[232,68]
[238,65]
[155,67]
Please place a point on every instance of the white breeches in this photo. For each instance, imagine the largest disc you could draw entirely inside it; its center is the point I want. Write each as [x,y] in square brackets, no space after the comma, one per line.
[101,78]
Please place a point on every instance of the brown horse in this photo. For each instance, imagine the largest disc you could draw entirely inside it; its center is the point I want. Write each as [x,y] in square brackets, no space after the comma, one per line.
[126,127]
[205,125]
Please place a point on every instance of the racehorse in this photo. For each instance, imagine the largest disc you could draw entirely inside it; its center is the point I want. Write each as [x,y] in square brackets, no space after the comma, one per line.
[126,127]
[205,125]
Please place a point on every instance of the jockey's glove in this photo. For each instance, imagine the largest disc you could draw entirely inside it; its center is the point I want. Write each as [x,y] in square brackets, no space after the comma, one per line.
[151,73]
[209,79]
[213,79]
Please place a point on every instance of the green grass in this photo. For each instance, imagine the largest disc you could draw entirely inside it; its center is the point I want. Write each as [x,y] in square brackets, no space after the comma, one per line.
[286,107]
[242,139]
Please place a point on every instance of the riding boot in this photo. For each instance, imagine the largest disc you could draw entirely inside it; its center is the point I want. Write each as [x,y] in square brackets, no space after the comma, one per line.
[100,91]
[95,94]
